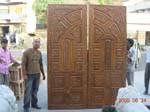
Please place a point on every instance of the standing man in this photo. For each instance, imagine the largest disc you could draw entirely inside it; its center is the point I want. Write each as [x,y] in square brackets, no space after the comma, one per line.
[5,59]
[130,62]
[32,67]
[147,71]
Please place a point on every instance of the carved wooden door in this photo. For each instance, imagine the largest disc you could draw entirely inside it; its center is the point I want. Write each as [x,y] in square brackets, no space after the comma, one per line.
[107,54]
[67,56]
[76,80]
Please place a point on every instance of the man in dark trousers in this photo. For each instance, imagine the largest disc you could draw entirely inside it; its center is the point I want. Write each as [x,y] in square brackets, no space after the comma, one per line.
[147,71]
[32,67]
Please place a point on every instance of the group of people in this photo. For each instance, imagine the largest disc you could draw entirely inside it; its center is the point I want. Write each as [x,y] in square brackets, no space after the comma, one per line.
[32,67]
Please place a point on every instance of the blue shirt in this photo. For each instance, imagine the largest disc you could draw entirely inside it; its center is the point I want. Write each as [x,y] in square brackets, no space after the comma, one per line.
[148,55]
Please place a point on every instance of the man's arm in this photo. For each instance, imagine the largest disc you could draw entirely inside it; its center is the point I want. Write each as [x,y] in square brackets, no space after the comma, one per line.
[13,59]
[24,62]
[41,68]
[132,55]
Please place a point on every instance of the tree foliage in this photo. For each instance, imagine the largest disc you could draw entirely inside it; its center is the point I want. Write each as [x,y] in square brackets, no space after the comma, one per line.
[101,2]
[40,7]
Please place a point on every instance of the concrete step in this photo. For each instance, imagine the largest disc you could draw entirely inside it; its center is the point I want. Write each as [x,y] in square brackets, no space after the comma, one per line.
[79,110]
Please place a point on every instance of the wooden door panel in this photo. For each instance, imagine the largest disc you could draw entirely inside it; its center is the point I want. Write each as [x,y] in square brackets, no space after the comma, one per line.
[107,54]
[67,56]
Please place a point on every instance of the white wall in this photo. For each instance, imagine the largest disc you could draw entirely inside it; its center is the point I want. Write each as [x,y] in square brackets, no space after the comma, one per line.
[31,18]
[138,21]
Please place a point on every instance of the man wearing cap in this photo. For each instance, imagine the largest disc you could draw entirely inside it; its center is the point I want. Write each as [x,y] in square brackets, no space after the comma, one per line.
[32,67]
[5,59]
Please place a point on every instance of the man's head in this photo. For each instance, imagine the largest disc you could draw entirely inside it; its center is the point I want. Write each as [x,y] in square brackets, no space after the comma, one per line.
[4,43]
[36,43]
[130,43]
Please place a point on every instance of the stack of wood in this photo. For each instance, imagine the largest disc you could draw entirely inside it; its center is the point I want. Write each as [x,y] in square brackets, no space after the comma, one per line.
[16,82]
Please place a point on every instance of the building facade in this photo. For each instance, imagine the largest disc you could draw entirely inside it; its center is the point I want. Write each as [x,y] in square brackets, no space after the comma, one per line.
[138,20]
[16,17]
[12,16]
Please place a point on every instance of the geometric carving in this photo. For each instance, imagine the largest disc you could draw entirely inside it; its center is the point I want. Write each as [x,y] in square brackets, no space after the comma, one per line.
[98,33]
[55,55]
[76,81]
[76,32]
[67,54]
[119,53]
[78,66]
[114,91]
[101,16]
[55,52]
[106,24]
[116,81]
[57,98]
[119,65]
[59,31]
[113,28]
[76,98]
[96,66]
[74,16]
[96,97]
[58,82]
[107,92]
[98,81]
[78,55]
[108,54]
[78,52]
[55,66]
[96,52]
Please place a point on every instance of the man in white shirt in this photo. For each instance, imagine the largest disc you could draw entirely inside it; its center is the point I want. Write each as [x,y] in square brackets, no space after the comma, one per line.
[130,62]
